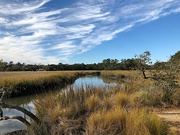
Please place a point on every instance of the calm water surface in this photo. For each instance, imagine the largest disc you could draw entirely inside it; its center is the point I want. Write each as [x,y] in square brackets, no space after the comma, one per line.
[27,102]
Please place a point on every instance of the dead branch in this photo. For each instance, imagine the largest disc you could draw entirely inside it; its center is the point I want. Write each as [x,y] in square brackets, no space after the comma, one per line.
[4,105]
[16,117]
[31,115]
[1,112]
[3,94]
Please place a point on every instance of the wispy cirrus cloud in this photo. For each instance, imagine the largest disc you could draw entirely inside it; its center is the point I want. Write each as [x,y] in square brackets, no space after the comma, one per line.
[35,32]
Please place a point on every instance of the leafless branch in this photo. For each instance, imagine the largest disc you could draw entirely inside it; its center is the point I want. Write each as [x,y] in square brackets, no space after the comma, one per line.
[16,117]
[3,94]
[1,112]
[4,105]
[31,115]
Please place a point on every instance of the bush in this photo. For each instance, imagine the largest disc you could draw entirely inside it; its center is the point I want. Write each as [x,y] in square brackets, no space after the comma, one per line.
[152,97]
[176,97]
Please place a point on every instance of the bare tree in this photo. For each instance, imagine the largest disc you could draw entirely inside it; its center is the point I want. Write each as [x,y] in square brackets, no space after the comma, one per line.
[143,60]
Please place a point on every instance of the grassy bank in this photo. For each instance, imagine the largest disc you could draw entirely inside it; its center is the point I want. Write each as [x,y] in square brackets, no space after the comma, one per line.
[121,73]
[28,83]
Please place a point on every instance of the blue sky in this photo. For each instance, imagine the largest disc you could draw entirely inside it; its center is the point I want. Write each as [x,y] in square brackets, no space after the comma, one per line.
[87,31]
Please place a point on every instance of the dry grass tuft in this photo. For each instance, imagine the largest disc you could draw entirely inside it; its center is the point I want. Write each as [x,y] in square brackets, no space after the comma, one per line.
[142,122]
[121,99]
[111,122]
[92,103]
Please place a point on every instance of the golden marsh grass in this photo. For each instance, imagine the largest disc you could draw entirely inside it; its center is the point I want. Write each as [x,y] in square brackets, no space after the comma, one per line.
[100,112]
[93,110]
[26,83]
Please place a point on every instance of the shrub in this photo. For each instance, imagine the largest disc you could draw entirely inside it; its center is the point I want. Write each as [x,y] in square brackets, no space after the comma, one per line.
[152,97]
[176,97]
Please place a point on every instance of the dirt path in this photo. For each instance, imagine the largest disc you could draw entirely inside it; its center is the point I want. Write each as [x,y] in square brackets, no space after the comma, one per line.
[172,117]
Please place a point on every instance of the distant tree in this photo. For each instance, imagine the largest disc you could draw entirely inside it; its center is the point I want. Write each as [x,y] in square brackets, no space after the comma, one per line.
[78,66]
[100,66]
[51,67]
[91,66]
[175,57]
[174,63]
[143,60]
[110,64]
[106,64]
[60,66]
[159,65]
[31,67]
[17,67]
[114,64]
[1,65]
[128,64]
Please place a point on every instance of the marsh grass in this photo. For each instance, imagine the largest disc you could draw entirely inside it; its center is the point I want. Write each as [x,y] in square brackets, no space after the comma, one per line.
[97,111]
[111,122]
[121,99]
[142,122]
[92,103]
[132,74]
[27,83]
[118,122]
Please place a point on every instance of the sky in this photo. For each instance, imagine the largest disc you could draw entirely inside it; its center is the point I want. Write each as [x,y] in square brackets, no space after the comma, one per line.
[87,31]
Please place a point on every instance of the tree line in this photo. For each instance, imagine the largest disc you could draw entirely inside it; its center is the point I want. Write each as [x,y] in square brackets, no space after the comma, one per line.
[140,62]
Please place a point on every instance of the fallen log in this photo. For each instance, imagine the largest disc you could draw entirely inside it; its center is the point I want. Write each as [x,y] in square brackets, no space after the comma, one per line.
[17,118]
[21,109]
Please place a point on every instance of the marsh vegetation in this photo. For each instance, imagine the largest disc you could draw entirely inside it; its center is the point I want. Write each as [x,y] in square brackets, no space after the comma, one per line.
[132,108]
[96,110]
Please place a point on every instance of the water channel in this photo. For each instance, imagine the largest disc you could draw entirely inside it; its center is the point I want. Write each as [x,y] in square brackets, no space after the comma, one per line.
[27,101]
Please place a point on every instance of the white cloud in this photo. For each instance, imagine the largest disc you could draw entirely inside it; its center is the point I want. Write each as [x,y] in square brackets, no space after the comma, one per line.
[66,45]
[176,10]
[21,8]
[32,32]
[27,7]
[2,20]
